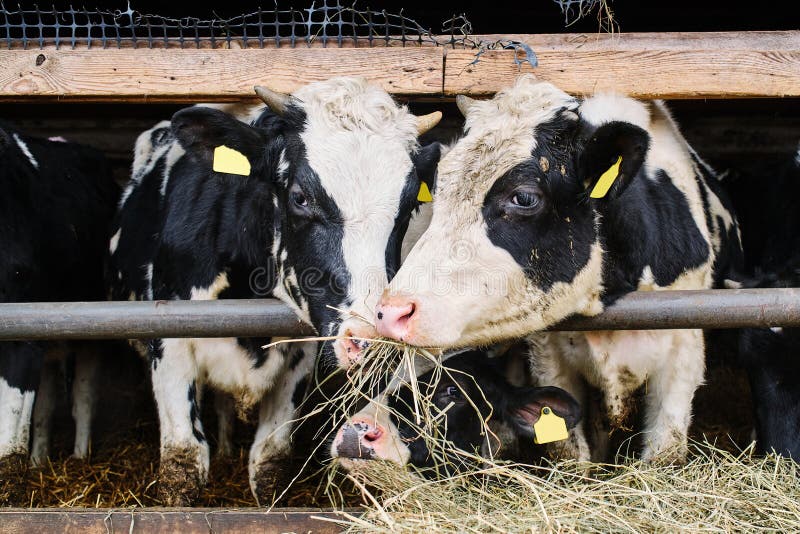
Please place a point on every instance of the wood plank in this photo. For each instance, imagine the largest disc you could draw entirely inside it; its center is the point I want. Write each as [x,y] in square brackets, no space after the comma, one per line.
[168,75]
[189,520]
[643,65]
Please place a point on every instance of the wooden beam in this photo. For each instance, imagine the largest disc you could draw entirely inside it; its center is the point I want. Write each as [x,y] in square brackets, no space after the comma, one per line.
[190,520]
[643,65]
[169,75]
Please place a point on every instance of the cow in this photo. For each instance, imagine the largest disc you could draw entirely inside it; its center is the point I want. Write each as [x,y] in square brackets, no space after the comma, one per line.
[478,412]
[552,205]
[56,206]
[318,222]
[766,205]
[769,357]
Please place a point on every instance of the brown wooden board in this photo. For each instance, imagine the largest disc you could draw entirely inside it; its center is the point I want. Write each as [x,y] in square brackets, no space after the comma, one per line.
[155,520]
[642,65]
[159,75]
[646,65]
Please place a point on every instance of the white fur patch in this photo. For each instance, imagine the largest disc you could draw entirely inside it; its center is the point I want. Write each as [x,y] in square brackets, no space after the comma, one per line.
[148,276]
[16,408]
[602,108]
[25,150]
[113,243]
[175,153]
[283,165]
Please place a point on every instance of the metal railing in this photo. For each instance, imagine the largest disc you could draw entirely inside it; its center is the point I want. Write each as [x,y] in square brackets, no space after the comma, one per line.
[722,308]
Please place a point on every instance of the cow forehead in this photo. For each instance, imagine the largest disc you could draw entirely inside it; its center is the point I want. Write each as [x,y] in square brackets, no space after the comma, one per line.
[359,142]
[500,134]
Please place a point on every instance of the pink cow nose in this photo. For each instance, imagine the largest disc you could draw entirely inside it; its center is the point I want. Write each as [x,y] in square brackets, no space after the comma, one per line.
[358,440]
[394,317]
[351,348]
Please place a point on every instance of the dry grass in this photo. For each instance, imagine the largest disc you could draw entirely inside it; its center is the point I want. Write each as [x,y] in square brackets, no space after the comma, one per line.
[716,491]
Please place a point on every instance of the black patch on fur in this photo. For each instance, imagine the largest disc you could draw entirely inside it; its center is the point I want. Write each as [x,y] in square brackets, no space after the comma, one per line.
[553,242]
[299,392]
[773,368]
[650,224]
[194,413]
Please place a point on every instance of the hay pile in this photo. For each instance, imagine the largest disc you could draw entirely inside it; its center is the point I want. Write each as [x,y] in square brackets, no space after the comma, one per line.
[716,491]
[719,490]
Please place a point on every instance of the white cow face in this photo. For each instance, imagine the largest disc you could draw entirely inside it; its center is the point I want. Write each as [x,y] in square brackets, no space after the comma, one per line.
[513,245]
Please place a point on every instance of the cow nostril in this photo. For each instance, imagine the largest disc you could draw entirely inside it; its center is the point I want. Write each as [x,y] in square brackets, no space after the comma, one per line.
[380,315]
[373,435]
[407,316]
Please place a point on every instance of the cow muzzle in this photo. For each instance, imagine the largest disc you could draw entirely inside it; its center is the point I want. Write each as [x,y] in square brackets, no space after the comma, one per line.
[358,440]
[354,339]
[396,317]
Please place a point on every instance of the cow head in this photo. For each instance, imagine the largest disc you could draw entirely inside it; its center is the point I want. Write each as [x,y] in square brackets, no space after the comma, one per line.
[513,245]
[471,393]
[345,168]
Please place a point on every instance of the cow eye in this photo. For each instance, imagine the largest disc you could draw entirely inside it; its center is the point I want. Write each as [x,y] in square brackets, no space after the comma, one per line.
[299,198]
[450,393]
[525,199]
[298,201]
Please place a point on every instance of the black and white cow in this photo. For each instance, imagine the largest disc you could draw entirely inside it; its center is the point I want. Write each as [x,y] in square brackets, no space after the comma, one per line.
[318,222]
[479,411]
[551,205]
[770,358]
[56,204]
[768,209]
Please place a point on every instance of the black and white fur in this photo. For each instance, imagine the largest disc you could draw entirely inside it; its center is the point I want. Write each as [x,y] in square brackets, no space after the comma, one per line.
[478,410]
[56,204]
[515,233]
[766,200]
[318,224]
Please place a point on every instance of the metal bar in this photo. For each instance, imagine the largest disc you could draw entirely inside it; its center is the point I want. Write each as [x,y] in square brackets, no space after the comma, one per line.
[143,320]
[719,308]
[188,520]
[715,308]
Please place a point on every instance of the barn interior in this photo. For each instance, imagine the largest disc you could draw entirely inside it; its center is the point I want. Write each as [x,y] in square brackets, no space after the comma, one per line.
[734,135]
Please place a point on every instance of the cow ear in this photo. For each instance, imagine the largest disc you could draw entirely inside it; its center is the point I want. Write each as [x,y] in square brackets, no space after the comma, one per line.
[525,408]
[611,158]
[426,159]
[201,130]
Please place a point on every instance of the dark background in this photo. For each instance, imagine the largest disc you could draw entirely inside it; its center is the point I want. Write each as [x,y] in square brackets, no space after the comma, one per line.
[515,16]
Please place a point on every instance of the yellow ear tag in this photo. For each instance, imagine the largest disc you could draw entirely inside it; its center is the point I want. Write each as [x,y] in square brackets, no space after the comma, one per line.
[230,161]
[606,180]
[549,428]
[424,194]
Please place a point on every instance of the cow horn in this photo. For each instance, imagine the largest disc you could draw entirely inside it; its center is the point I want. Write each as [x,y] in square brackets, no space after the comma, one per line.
[464,103]
[426,122]
[277,102]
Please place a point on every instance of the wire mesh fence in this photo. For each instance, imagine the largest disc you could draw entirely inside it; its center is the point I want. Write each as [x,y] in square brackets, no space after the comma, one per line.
[326,23]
